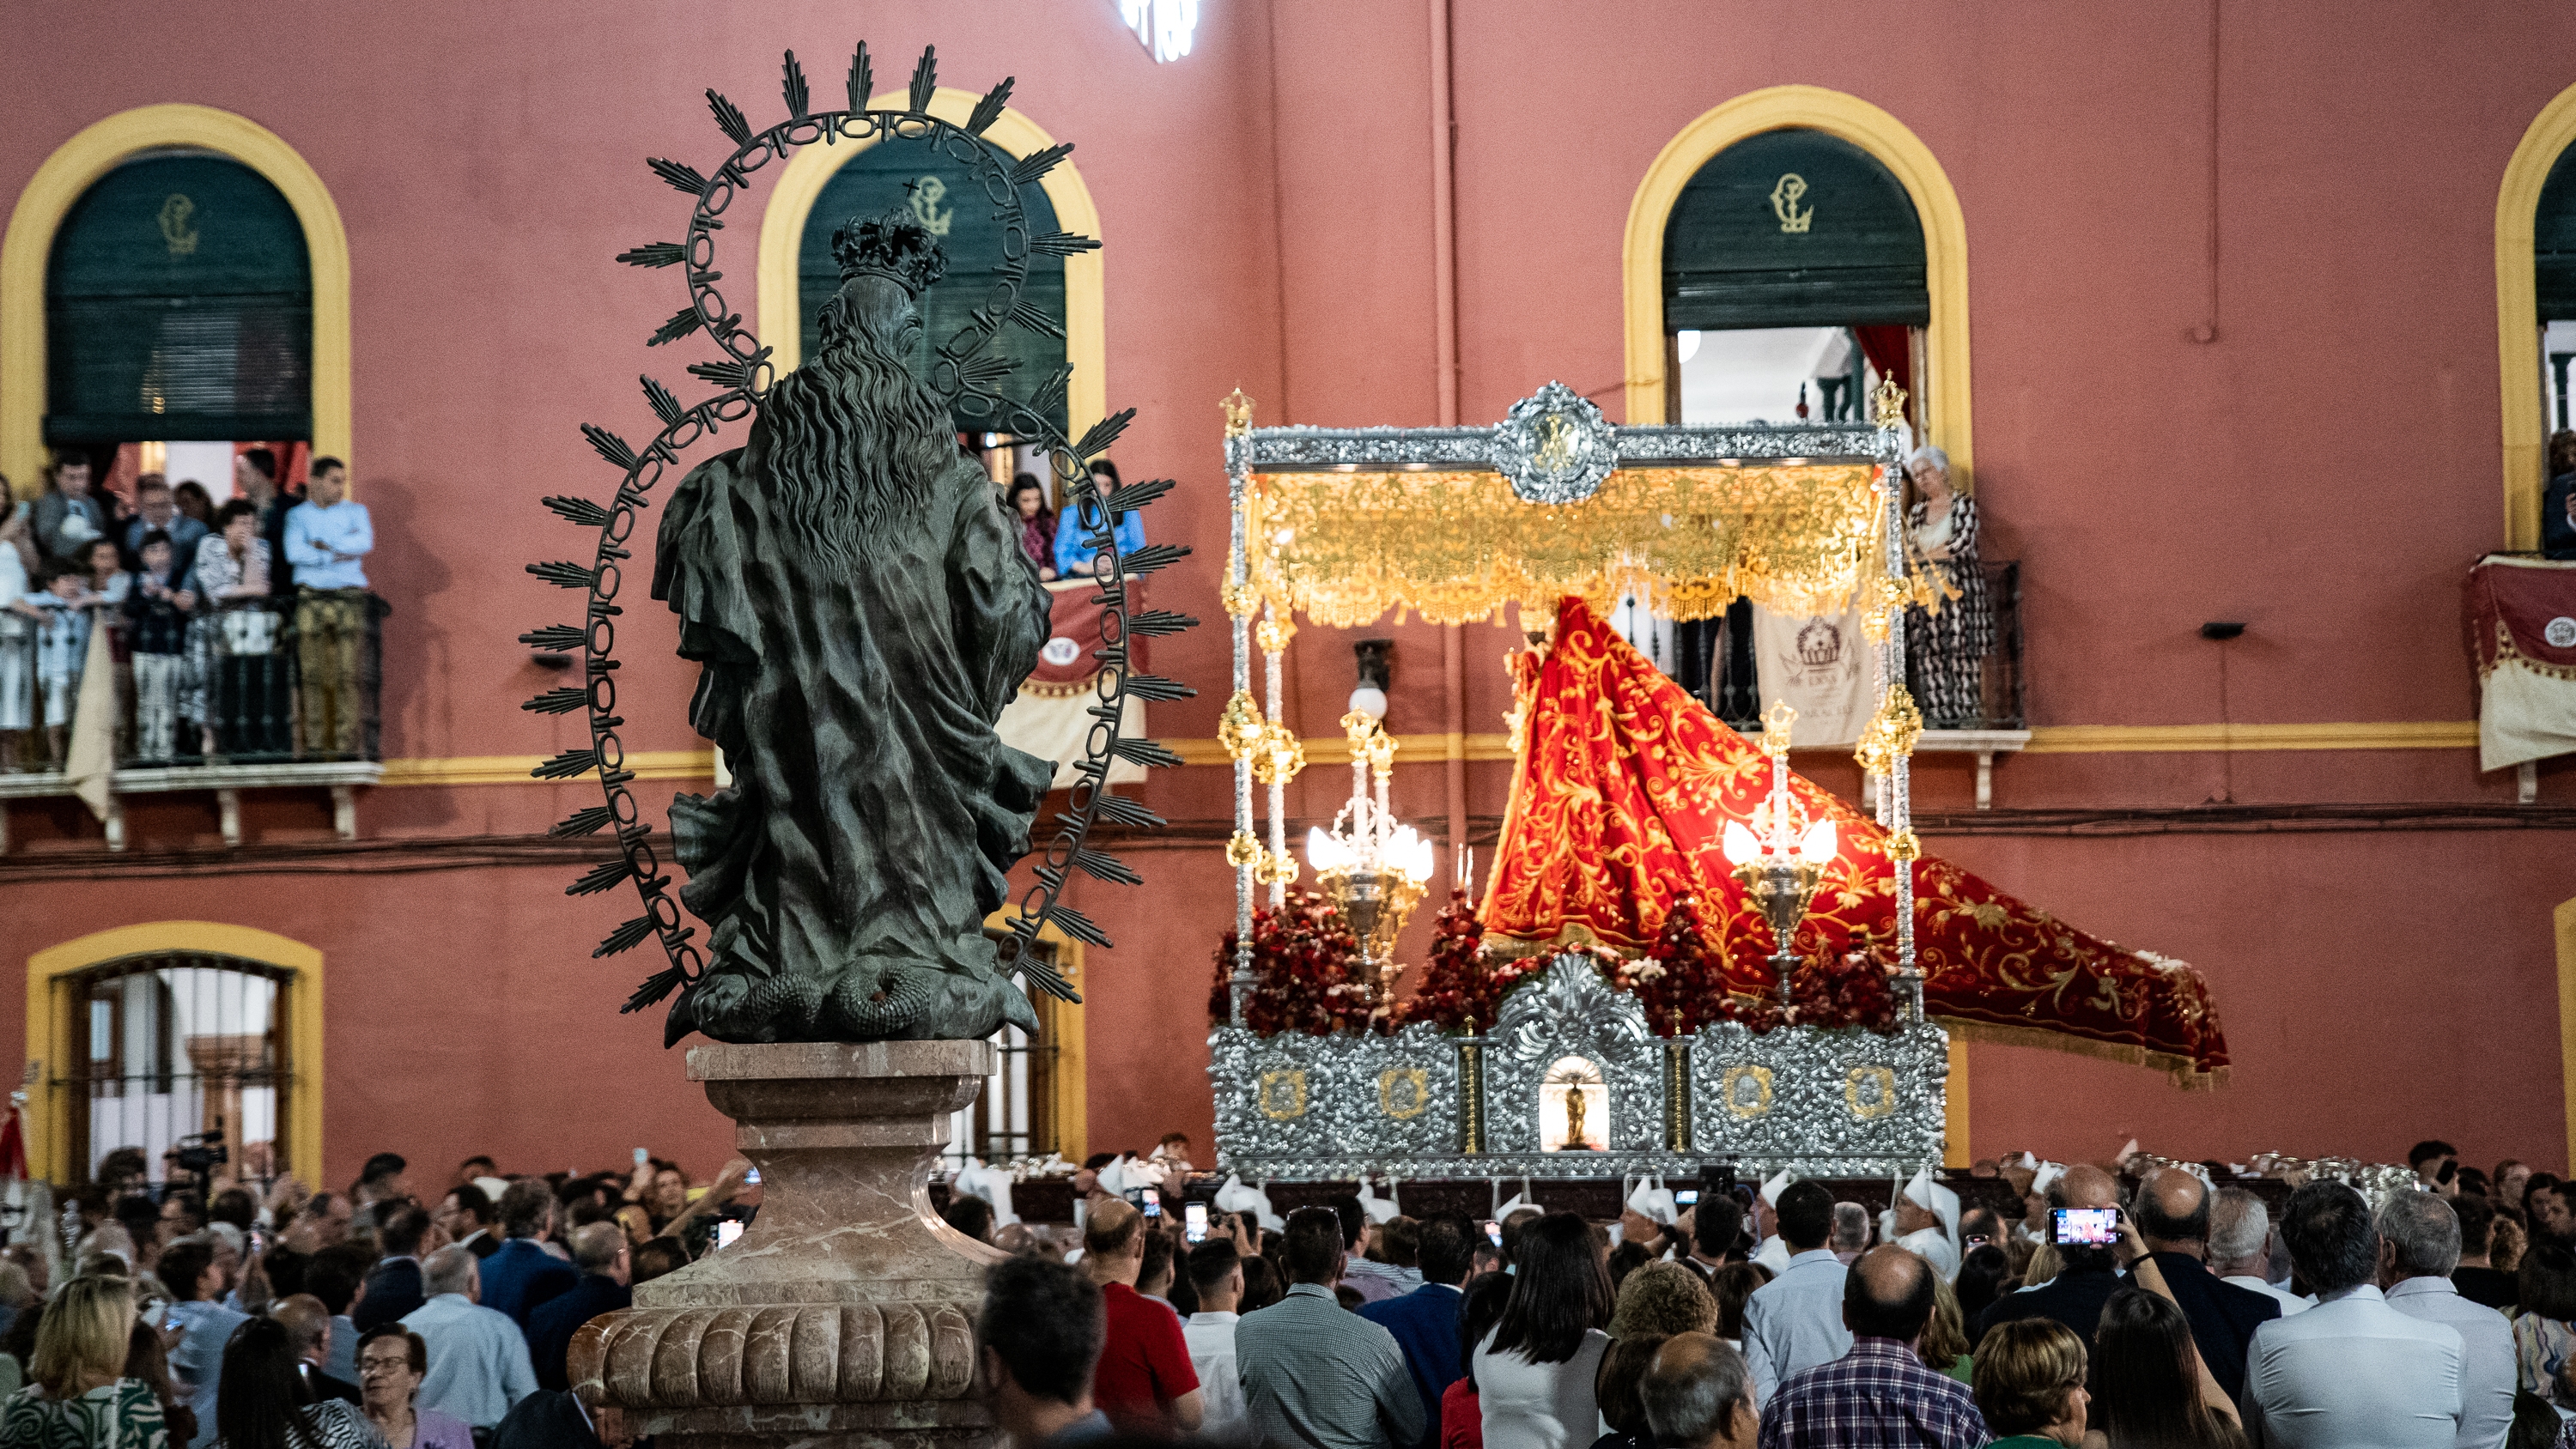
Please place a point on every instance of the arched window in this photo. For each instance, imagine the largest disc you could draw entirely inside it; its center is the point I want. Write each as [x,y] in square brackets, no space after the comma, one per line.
[2553,275]
[179,305]
[38,396]
[1785,251]
[140,1035]
[1794,281]
[171,1046]
[795,249]
[1793,272]
[947,198]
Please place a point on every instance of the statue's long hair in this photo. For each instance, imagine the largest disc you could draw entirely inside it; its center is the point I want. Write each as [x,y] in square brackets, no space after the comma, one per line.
[852,434]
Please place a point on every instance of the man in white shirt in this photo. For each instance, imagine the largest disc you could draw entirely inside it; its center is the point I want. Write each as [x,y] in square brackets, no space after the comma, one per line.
[1795,1321]
[327,540]
[2352,1371]
[478,1358]
[2419,1245]
[1216,1270]
[2240,1246]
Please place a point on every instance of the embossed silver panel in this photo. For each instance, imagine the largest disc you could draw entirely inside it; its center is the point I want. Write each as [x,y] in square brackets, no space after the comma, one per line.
[1273,450]
[1841,1103]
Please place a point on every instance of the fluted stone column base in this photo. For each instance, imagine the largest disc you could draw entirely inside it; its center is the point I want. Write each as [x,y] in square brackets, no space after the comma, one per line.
[844,1316]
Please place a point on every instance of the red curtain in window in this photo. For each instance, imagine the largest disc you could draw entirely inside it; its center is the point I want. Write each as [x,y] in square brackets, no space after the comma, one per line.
[1890,349]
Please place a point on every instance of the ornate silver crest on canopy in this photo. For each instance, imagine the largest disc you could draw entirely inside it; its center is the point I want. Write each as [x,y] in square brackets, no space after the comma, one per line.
[1554,446]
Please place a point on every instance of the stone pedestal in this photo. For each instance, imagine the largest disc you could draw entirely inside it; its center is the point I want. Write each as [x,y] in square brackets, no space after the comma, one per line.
[844,1316]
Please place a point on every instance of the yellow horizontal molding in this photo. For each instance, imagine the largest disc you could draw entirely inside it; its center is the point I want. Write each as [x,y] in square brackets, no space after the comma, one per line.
[1427,748]
[1336,749]
[513,769]
[2441,734]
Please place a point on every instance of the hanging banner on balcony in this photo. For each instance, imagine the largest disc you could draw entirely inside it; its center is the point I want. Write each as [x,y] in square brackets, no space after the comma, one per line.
[1623,786]
[1051,717]
[1822,665]
[2522,625]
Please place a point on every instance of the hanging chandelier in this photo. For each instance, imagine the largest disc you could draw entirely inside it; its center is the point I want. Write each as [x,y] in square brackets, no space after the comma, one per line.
[1780,858]
[1371,868]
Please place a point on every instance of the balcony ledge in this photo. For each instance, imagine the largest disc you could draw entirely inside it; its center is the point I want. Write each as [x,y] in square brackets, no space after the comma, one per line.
[341,777]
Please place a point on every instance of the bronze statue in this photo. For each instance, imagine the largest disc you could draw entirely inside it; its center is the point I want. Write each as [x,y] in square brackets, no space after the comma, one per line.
[862,614]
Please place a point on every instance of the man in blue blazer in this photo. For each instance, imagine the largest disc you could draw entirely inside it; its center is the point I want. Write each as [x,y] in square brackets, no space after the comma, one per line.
[393,1285]
[599,1251]
[2173,1218]
[522,1274]
[1425,1321]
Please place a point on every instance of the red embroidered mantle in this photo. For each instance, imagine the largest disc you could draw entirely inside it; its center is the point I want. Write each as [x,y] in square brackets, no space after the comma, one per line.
[1622,788]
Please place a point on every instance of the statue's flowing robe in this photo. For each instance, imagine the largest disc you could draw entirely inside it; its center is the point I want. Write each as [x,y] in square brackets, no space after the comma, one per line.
[873,812]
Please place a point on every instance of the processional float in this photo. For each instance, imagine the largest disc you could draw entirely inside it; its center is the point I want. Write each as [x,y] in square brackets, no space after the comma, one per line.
[1628,996]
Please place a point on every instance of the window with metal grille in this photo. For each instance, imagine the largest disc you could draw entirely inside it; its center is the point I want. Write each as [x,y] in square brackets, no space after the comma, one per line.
[173,1044]
[1015,1115]
[179,305]
[946,198]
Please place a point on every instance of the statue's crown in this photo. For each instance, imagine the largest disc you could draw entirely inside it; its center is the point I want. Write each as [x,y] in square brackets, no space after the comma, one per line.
[895,245]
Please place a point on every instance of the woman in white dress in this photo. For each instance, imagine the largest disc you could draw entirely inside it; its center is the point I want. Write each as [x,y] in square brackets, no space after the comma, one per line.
[1535,1371]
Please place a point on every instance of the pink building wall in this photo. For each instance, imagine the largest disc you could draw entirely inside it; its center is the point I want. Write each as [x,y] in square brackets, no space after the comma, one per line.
[2323,470]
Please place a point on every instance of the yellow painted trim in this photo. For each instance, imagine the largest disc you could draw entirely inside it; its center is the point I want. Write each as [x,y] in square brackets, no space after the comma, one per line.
[2566,922]
[69,172]
[1071,1087]
[2524,390]
[1954,1108]
[800,183]
[50,1032]
[1424,749]
[513,769]
[1945,244]
[2216,738]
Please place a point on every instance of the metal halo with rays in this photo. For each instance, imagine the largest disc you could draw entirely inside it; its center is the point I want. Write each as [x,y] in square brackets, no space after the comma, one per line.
[964,380]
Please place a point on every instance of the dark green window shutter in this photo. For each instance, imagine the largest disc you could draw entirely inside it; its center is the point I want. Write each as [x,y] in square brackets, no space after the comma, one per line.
[1793,229]
[947,195]
[2553,238]
[179,304]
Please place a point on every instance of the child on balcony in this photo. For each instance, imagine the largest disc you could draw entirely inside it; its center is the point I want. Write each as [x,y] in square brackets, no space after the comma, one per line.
[18,622]
[156,612]
[62,646]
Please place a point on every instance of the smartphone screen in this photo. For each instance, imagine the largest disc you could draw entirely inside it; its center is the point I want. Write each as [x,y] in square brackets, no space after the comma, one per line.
[1194,1221]
[1153,1206]
[1686,1197]
[1494,1230]
[751,1178]
[726,1231]
[2099,1227]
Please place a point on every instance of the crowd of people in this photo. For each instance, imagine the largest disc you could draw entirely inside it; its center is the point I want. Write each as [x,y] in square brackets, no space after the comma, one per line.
[363,1319]
[233,630]
[2132,1304]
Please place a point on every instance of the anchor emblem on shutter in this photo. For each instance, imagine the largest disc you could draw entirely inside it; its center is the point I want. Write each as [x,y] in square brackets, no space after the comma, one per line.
[1785,196]
[178,225]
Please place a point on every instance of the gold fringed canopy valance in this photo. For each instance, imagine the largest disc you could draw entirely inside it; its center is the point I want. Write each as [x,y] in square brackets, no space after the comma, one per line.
[1346,546]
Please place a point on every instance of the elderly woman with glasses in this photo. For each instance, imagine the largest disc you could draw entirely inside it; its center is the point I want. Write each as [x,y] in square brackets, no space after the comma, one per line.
[391,1363]
[1945,652]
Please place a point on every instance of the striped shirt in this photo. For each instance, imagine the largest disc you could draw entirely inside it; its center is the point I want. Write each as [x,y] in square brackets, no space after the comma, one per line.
[1318,1375]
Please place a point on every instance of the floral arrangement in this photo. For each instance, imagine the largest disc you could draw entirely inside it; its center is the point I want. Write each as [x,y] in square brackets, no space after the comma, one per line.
[1303,977]
[1303,959]
[1679,981]
[1461,989]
